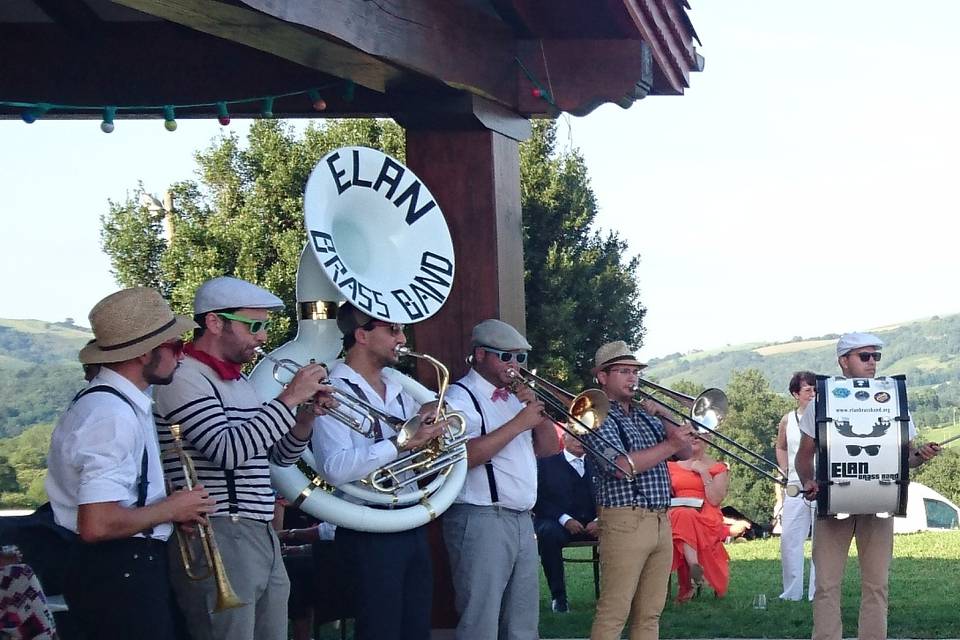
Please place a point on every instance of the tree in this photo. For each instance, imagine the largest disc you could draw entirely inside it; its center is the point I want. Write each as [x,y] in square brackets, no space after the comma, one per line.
[243,216]
[580,292]
[755,412]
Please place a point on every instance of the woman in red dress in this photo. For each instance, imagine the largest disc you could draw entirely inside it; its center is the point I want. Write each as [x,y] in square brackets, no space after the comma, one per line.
[698,533]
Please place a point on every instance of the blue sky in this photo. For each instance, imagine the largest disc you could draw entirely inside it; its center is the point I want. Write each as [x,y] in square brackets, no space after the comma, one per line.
[800,187]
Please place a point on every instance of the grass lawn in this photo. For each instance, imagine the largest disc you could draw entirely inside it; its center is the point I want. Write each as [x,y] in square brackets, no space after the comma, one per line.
[924,580]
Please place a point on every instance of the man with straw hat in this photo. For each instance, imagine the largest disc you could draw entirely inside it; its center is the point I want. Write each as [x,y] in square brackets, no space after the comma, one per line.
[636,546]
[104,478]
[232,437]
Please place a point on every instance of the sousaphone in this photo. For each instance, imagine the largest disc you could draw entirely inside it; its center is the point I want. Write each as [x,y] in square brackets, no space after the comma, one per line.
[375,235]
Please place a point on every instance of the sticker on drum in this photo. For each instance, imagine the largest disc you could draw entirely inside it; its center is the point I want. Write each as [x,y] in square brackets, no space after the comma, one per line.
[862,439]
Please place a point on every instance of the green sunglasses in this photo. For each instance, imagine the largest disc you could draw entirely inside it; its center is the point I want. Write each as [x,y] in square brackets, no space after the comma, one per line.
[256,326]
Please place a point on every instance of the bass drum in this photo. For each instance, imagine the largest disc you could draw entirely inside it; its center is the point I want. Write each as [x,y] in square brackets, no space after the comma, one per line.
[862,446]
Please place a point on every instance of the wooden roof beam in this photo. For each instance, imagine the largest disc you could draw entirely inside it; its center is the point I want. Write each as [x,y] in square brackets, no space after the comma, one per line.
[573,72]
[446,40]
[274,36]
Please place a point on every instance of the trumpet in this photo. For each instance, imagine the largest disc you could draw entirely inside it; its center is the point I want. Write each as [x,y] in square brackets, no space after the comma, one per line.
[707,412]
[226,596]
[360,406]
[439,455]
[578,415]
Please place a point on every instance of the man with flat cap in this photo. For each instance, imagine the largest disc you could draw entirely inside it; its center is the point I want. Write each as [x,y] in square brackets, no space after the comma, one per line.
[857,355]
[636,546]
[232,437]
[489,529]
[104,477]
[389,573]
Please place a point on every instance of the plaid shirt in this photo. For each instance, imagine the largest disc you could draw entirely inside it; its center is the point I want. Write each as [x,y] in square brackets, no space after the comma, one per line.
[637,430]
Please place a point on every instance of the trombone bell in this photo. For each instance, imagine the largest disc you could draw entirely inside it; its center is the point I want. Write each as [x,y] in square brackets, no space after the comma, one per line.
[590,409]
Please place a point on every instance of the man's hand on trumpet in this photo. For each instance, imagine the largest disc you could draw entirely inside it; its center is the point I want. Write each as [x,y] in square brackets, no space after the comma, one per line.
[189,507]
[309,381]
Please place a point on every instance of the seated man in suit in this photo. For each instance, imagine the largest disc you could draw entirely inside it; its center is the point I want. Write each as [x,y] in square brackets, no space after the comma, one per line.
[564,512]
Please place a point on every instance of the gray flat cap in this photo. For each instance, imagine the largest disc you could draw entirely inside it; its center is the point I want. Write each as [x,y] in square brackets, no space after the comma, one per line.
[499,335]
[850,341]
[233,293]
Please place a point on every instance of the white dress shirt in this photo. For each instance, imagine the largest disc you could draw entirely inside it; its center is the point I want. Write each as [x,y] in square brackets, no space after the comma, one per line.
[96,452]
[342,454]
[514,466]
[577,464]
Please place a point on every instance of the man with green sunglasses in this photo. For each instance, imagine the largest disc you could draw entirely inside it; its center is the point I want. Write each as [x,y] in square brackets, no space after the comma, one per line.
[232,436]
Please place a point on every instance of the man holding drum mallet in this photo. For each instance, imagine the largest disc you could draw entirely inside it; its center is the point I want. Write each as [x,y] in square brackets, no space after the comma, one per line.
[857,355]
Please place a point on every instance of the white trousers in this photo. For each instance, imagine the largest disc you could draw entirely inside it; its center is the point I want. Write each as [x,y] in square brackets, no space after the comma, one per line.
[796,524]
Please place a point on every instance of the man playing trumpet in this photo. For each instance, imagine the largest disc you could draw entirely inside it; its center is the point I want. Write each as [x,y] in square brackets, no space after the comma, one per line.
[231,436]
[636,546]
[104,477]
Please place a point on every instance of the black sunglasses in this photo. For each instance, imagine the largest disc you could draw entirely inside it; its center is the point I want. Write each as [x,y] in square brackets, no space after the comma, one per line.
[865,357]
[870,449]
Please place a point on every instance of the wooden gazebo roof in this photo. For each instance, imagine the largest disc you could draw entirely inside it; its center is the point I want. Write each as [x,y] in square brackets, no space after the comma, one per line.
[392,58]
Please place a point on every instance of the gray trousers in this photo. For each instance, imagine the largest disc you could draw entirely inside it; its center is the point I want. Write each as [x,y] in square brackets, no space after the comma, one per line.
[494,562]
[254,567]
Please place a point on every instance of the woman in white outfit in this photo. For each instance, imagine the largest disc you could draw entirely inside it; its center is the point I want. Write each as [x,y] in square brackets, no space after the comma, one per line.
[798,514]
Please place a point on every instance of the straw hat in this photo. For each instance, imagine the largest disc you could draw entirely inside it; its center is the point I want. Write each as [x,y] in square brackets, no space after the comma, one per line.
[130,323]
[614,353]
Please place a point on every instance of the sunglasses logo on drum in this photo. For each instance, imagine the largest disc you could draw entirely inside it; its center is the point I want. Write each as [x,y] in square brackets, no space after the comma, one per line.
[841,392]
[856,449]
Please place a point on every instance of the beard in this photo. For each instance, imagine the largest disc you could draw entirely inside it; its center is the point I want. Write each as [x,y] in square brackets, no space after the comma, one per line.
[151,374]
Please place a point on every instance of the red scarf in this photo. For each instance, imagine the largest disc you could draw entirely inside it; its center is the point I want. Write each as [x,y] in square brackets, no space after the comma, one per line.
[226,370]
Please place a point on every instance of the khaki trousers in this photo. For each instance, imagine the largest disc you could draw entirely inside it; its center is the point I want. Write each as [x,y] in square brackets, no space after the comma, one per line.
[831,544]
[636,551]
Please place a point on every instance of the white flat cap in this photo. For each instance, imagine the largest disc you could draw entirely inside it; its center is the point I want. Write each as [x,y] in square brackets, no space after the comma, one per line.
[233,293]
[499,335]
[850,341]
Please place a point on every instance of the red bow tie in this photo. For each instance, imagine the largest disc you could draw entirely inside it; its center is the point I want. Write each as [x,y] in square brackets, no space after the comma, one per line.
[500,394]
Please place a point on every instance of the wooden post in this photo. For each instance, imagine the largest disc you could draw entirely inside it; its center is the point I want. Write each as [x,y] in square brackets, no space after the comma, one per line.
[474,176]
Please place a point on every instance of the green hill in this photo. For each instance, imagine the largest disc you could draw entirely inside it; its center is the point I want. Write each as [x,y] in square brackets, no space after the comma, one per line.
[926,351]
[39,372]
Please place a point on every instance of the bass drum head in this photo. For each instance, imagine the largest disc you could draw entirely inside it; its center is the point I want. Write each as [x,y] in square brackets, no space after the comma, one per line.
[379,235]
[862,439]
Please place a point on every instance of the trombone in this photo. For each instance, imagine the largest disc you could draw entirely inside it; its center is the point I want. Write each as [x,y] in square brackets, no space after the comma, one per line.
[226,596]
[581,414]
[707,411]
[439,455]
[369,412]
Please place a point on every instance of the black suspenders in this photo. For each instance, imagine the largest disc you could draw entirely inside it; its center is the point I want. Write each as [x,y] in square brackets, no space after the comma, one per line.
[488,465]
[143,480]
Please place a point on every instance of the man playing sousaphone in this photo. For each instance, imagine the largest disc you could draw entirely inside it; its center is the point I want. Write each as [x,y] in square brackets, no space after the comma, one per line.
[390,572]
[636,546]
[857,355]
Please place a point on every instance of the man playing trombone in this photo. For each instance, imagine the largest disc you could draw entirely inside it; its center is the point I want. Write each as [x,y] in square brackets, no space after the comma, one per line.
[230,434]
[390,572]
[636,546]
[489,529]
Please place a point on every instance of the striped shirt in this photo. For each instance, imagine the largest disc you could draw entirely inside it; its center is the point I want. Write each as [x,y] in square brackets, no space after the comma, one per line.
[635,430]
[229,434]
